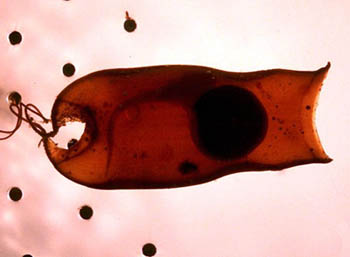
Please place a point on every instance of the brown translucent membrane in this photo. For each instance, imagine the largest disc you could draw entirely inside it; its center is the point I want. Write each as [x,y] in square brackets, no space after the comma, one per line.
[177,125]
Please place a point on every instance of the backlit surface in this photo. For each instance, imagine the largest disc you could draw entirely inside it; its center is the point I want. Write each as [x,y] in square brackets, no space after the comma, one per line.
[301,211]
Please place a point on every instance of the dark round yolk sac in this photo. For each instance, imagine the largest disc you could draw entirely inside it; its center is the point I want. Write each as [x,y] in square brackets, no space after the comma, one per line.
[231,122]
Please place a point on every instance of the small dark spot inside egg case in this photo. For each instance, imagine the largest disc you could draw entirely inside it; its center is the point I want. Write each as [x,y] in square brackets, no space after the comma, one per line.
[187,167]
[143,155]
[105,105]
[71,143]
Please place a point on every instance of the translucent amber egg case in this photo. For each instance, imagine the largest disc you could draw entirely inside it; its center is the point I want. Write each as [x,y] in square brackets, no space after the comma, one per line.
[297,211]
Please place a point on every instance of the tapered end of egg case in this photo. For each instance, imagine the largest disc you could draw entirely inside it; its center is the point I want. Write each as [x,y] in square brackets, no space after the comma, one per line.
[292,137]
[310,104]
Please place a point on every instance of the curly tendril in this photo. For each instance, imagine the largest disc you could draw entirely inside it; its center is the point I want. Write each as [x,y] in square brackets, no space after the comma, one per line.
[23,113]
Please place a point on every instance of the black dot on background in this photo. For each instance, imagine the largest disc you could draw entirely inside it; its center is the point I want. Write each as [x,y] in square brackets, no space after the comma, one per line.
[15,38]
[27,255]
[149,249]
[68,69]
[15,194]
[231,122]
[308,107]
[130,25]
[86,212]
[14,98]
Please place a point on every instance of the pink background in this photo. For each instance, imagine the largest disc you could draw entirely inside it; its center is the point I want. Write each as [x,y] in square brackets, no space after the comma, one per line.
[301,211]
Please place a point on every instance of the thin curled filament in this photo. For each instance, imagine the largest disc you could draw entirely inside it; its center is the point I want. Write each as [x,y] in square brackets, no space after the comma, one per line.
[23,113]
